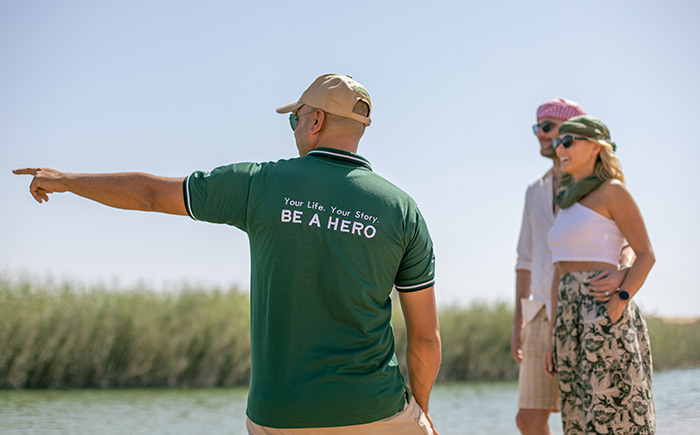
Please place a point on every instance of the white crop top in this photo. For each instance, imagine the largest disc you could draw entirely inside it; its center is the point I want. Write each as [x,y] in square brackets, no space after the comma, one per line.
[582,234]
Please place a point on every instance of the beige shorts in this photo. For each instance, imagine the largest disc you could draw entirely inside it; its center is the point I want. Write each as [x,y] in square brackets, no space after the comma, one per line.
[536,390]
[410,421]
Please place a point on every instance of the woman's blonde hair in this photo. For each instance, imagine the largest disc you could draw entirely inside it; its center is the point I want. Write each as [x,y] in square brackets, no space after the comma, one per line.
[607,166]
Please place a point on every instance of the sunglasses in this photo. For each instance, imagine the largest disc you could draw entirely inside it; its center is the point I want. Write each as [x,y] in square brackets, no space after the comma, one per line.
[294,119]
[566,141]
[545,126]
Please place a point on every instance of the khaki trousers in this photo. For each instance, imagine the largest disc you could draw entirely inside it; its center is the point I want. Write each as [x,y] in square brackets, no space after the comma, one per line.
[410,421]
[536,390]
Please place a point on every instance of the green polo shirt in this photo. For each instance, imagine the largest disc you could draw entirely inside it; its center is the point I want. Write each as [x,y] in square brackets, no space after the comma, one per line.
[329,239]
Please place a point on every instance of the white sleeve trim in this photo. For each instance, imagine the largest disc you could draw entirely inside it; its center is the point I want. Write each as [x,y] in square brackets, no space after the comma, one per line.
[188,202]
[415,286]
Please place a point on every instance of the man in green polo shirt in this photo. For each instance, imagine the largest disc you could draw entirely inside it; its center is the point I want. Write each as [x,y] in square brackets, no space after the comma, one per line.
[329,239]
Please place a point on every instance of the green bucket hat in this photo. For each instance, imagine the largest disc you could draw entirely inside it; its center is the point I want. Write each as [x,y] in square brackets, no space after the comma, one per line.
[587,126]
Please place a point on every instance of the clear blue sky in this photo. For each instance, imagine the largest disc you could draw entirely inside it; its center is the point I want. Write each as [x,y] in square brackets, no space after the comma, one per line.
[169,87]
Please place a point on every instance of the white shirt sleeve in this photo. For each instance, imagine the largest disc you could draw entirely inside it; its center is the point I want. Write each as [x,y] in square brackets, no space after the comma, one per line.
[524,261]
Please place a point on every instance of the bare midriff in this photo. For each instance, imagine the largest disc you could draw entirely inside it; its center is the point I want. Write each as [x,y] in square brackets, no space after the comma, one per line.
[583,266]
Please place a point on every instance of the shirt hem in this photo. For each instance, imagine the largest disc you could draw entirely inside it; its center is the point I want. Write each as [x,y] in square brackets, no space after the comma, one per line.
[331,422]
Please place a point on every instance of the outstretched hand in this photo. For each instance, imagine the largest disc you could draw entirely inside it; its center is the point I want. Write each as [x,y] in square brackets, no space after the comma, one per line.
[45,181]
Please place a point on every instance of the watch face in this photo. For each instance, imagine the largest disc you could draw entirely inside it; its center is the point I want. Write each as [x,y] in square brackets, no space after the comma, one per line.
[624,295]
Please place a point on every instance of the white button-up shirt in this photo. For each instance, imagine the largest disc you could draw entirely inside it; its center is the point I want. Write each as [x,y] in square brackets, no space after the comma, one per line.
[533,252]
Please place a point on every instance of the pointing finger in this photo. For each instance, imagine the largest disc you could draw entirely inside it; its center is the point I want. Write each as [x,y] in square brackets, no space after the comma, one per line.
[25,171]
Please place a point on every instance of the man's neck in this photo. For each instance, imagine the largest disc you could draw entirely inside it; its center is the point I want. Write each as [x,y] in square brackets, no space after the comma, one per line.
[556,171]
[338,143]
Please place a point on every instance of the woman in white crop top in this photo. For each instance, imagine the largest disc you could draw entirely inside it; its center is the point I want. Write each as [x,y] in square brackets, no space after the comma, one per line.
[600,349]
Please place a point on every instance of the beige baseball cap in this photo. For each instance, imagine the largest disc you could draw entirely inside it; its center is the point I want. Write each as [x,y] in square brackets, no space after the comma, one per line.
[336,94]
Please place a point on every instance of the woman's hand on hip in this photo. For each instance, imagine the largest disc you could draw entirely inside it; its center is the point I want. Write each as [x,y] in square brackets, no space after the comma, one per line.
[604,285]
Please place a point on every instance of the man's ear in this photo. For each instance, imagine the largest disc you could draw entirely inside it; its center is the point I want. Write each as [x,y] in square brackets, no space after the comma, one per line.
[317,123]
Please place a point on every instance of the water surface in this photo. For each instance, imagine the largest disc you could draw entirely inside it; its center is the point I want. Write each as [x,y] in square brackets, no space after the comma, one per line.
[459,408]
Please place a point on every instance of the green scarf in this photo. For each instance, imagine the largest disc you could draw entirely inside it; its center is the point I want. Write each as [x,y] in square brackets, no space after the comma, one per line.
[566,198]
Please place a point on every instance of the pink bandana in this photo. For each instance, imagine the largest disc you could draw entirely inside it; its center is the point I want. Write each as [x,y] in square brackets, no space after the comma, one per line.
[559,108]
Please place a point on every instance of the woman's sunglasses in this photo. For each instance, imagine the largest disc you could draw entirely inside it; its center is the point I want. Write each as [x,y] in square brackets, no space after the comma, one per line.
[566,141]
[545,126]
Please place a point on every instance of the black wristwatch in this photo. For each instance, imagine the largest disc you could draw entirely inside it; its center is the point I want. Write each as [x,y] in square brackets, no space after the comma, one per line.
[624,295]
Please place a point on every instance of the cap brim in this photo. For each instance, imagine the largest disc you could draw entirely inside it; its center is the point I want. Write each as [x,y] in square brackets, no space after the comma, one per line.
[290,107]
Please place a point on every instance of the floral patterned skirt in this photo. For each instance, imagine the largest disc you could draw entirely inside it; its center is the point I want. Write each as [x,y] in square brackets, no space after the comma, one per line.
[604,368]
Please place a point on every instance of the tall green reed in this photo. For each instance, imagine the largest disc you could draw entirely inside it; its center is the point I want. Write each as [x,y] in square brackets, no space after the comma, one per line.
[675,343]
[60,336]
[65,336]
